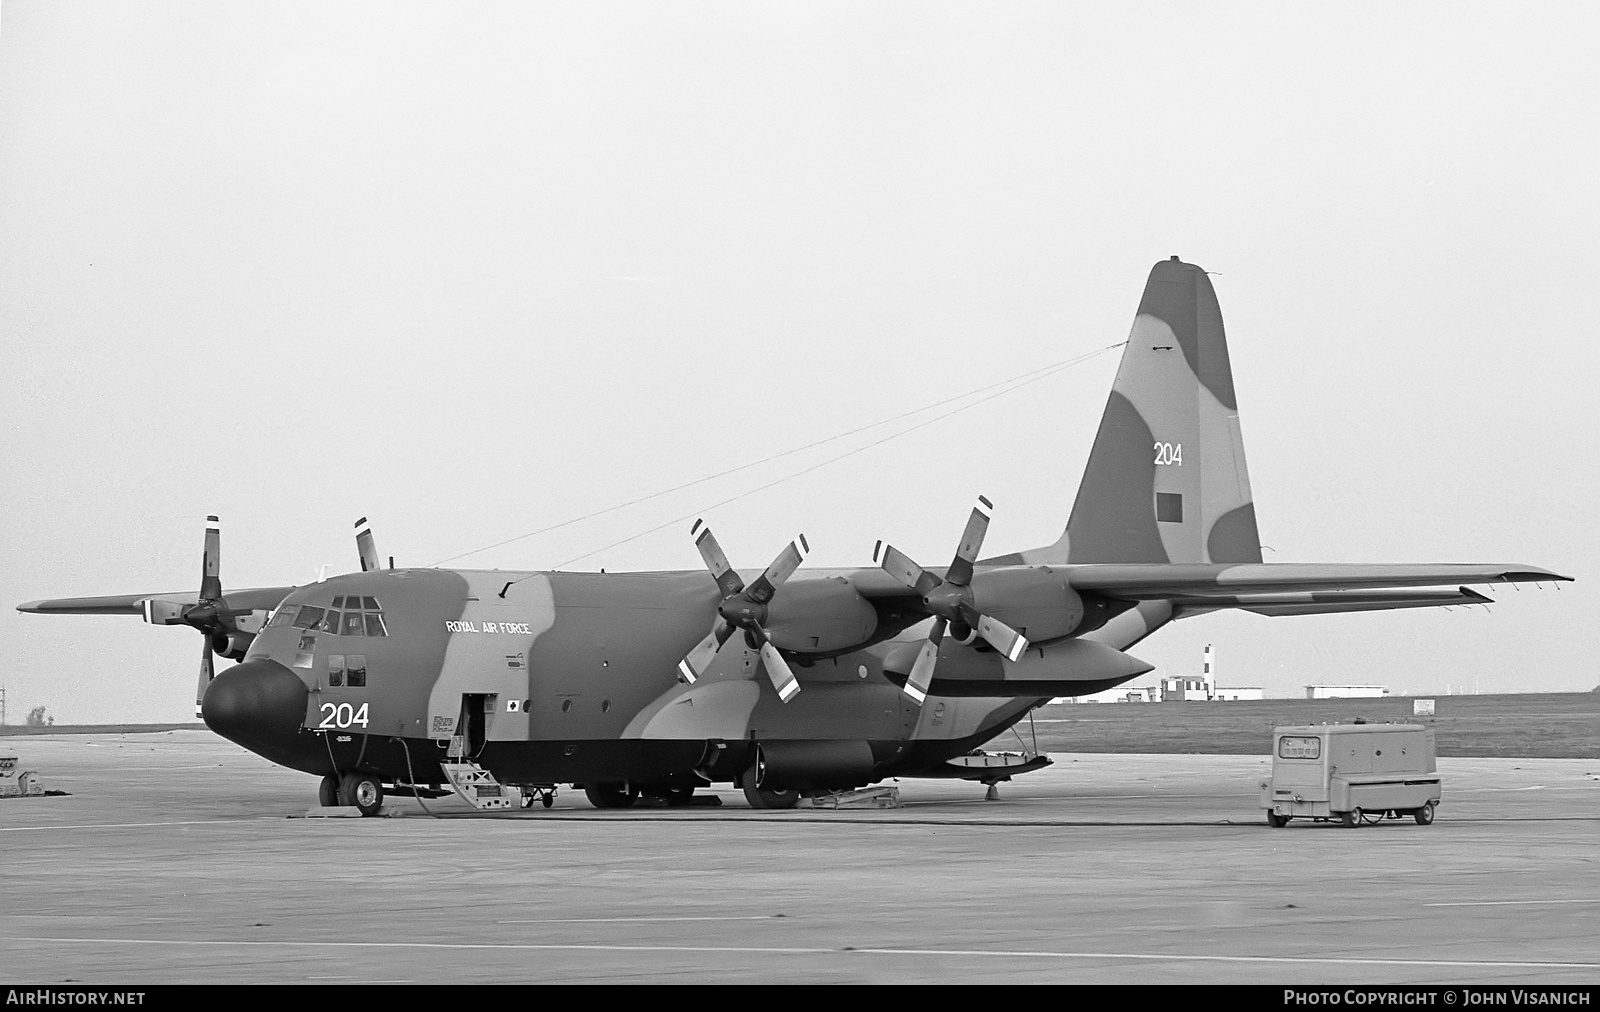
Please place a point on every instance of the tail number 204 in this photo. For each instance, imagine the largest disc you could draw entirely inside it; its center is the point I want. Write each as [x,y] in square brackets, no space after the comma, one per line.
[1169,453]
[342,715]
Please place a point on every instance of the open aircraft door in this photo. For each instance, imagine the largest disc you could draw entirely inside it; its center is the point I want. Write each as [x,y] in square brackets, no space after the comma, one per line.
[472,726]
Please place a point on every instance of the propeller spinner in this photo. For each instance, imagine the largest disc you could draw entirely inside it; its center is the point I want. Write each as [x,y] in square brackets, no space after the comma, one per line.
[950,601]
[744,608]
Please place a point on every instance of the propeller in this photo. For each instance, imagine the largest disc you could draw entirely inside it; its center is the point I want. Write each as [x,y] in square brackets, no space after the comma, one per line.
[210,615]
[744,608]
[950,601]
[366,547]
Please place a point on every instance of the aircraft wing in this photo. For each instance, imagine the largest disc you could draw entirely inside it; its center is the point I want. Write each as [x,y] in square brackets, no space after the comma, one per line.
[1230,586]
[1330,602]
[255,598]
[1162,582]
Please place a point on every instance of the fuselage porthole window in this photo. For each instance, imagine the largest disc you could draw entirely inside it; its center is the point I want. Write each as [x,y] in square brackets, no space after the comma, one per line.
[336,670]
[356,670]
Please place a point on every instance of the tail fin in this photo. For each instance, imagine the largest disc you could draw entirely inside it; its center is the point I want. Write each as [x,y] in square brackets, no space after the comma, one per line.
[1166,480]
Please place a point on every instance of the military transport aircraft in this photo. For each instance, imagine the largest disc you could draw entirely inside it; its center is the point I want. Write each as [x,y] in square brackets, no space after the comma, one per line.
[791,681]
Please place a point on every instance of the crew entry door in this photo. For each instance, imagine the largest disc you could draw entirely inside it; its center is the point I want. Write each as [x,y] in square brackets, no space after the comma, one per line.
[472,727]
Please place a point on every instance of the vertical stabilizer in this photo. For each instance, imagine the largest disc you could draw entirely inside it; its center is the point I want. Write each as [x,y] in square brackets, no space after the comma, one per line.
[1166,480]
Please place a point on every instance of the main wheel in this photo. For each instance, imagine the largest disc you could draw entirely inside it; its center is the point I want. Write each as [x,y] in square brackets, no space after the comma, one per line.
[1351,818]
[761,797]
[363,791]
[611,795]
[1424,815]
[1275,820]
[328,791]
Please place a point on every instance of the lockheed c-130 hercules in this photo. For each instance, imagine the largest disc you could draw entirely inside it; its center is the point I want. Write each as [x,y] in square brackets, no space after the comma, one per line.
[793,681]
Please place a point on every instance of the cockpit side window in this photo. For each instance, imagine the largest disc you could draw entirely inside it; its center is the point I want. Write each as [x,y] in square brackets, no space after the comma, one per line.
[375,625]
[309,617]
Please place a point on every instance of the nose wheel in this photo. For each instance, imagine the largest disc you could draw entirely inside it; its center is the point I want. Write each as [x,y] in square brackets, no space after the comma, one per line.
[354,790]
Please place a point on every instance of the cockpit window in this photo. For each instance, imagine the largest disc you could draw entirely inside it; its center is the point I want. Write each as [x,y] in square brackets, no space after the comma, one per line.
[282,616]
[364,617]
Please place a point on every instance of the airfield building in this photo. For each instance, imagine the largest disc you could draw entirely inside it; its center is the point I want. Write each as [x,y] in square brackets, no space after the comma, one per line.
[1346,691]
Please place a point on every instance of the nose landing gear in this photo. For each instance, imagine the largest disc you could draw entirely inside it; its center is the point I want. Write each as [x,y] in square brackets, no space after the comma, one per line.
[358,790]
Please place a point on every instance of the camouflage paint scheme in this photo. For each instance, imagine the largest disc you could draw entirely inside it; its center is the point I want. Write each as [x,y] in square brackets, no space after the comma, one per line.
[576,677]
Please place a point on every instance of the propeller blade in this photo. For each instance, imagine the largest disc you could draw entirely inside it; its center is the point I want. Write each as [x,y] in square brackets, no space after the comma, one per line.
[727,580]
[207,672]
[899,565]
[1002,637]
[704,652]
[366,547]
[211,563]
[778,670]
[960,572]
[782,568]
[922,670]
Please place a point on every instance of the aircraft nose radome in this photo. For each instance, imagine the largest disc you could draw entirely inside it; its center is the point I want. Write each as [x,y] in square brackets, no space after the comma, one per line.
[255,703]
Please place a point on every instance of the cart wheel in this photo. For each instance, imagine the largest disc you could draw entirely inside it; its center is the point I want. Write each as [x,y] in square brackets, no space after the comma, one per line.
[1277,821]
[1424,815]
[1351,818]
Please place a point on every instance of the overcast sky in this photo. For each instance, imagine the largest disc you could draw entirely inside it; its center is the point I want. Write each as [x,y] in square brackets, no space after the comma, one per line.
[476,269]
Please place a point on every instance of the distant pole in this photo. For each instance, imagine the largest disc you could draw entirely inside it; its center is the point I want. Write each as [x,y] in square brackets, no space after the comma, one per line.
[2,706]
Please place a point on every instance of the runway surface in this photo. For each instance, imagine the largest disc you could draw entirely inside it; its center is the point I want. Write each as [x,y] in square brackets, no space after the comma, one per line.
[180,858]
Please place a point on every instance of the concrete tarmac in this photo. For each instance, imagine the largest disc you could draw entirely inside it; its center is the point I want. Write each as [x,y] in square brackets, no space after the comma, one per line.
[180,858]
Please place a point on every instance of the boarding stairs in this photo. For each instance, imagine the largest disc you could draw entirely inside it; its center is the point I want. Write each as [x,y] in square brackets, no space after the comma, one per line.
[472,783]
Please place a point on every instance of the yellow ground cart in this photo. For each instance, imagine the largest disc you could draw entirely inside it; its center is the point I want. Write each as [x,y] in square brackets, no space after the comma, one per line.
[1353,773]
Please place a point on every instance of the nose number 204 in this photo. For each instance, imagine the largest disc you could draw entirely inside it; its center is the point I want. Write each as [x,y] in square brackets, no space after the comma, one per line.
[1169,453]
[342,715]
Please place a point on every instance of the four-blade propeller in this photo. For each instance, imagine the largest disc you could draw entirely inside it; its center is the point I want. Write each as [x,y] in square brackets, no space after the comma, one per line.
[210,615]
[950,601]
[744,608]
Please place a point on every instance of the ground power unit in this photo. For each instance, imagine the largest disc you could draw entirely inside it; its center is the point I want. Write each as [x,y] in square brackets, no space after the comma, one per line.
[1353,773]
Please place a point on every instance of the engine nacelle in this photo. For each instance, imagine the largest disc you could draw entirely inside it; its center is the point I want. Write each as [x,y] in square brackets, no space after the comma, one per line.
[1035,601]
[1070,667]
[233,646]
[820,617]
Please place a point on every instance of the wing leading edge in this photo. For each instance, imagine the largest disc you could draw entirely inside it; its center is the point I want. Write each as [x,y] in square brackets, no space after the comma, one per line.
[255,598]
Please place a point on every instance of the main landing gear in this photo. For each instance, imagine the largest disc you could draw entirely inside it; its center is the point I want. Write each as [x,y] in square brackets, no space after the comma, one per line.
[352,790]
[761,797]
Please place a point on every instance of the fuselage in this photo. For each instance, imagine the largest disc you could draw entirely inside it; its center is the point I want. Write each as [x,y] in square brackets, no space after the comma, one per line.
[557,678]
